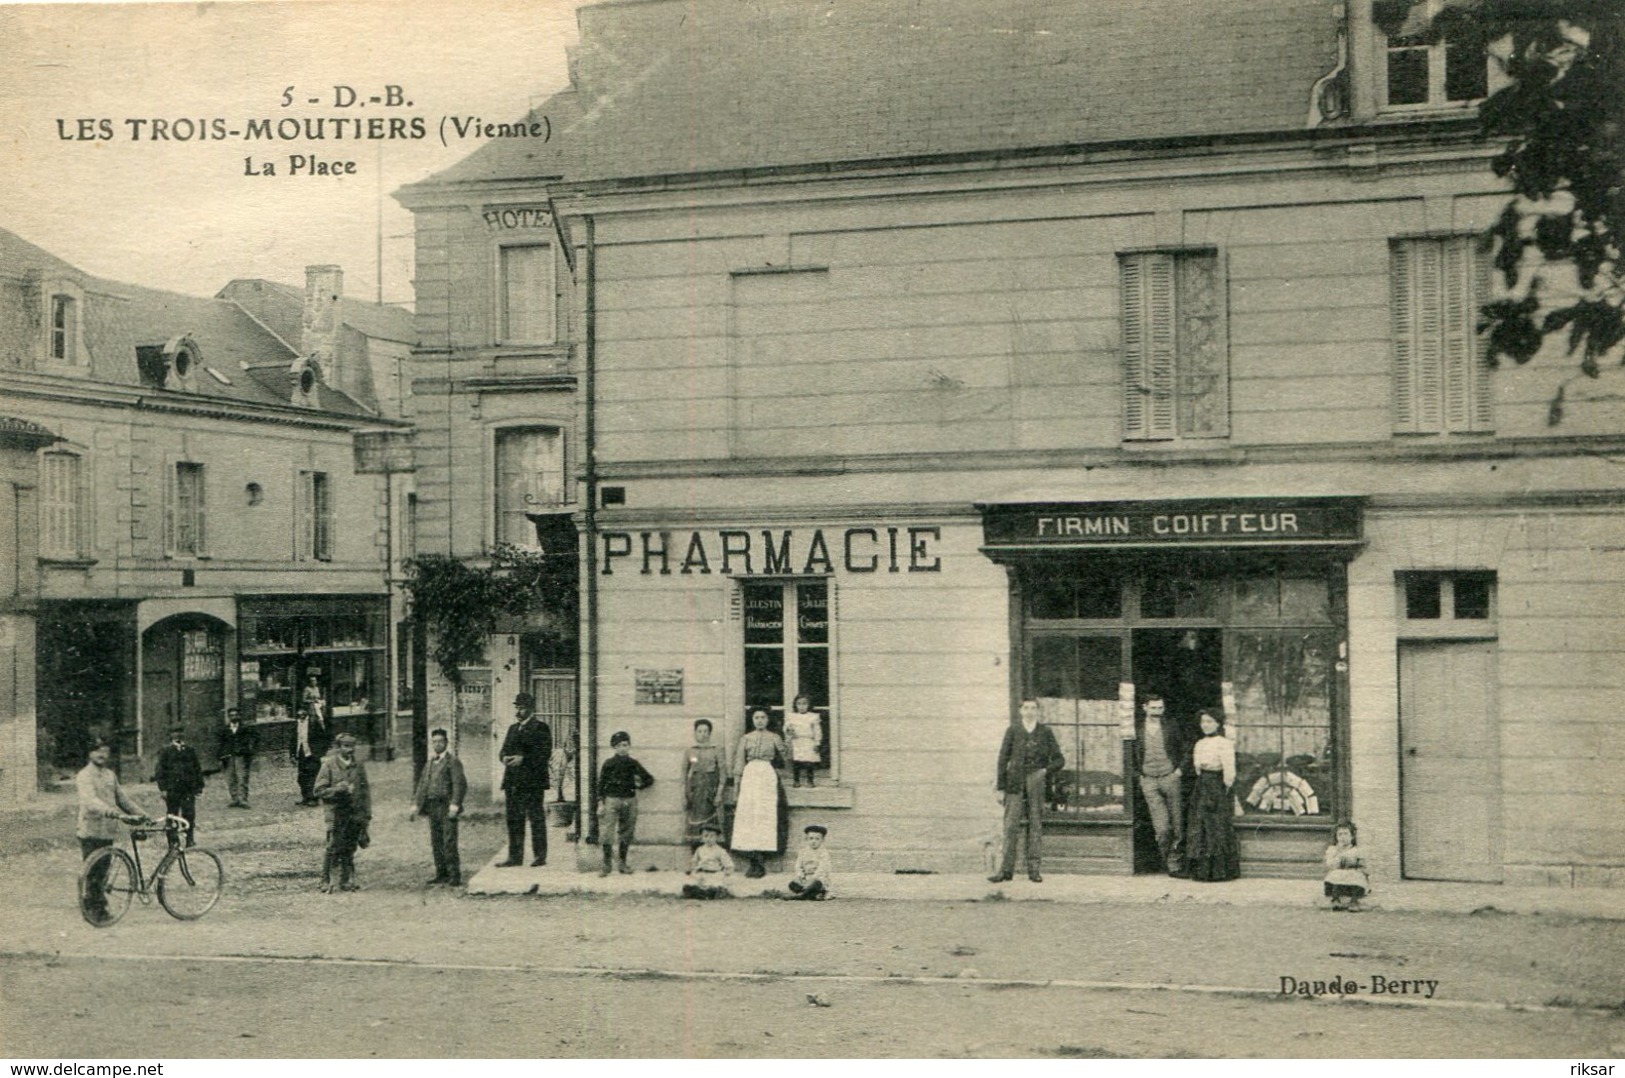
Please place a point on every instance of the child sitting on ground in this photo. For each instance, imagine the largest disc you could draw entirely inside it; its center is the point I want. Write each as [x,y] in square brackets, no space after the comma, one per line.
[1346,879]
[711,864]
[812,882]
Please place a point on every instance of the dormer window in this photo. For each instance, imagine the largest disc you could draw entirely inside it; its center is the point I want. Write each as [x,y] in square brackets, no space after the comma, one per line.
[64,329]
[1423,72]
[63,316]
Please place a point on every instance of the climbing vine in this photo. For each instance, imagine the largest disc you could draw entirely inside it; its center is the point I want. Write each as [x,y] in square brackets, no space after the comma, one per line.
[461,604]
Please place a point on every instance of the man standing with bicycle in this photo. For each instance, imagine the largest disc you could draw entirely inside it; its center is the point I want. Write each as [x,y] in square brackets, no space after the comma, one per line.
[102,806]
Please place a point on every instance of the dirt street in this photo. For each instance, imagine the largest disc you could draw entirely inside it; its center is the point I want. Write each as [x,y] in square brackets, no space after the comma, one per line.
[426,972]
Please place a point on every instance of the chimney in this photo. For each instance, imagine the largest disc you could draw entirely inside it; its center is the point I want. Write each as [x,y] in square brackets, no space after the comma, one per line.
[319,328]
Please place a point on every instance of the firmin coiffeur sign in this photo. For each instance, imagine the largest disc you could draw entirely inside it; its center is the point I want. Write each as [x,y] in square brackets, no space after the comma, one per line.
[1228,522]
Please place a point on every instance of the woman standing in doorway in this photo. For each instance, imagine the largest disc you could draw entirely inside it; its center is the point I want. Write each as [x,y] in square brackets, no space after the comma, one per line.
[1211,850]
[762,816]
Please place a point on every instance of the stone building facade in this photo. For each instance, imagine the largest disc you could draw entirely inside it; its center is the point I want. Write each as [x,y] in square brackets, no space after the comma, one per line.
[205,535]
[1073,352]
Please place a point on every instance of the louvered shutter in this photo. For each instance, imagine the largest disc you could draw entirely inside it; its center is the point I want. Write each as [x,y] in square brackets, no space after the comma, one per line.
[303,531]
[168,479]
[1466,372]
[200,510]
[1148,345]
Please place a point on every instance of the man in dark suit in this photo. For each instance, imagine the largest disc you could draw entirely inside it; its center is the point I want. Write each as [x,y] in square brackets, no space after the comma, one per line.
[179,777]
[237,745]
[439,796]
[310,742]
[525,754]
[1027,755]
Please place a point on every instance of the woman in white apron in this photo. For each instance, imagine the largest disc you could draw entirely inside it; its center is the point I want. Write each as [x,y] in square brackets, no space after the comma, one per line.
[761,816]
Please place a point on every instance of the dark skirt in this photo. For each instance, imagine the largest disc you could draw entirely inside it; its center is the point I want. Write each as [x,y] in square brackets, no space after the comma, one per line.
[1344,890]
[1211,850]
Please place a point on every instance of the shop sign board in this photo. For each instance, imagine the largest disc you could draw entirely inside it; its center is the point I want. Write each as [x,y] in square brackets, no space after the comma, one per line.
[1204,522]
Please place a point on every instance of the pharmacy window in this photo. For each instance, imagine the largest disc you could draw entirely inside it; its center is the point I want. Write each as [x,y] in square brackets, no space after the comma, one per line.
[1441,366]
[530,481]
[526,294]
[63,508]
[787,655]
[1176,348]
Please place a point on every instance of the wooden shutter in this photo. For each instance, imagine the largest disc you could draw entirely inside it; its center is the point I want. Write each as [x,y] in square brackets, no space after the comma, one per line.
[168,479]
[1148,345]
[60,505]
[1203,364]
[1441,376]
[321,516]
[304,531]
[1416,304]
[200,510]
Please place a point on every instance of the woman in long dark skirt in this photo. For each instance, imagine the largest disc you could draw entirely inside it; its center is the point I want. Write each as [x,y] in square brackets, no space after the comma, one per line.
[1211,850]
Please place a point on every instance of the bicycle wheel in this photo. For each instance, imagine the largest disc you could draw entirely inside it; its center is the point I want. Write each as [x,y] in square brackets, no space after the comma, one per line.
[189,882]
[106,884]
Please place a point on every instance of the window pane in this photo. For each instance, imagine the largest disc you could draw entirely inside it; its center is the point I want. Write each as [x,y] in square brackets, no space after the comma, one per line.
[1283,730]
[1100,597]
[1258,598]
[1051,600]
[764,614]
[527,294]
[812,613]
[1075,679]
[764,680]
[1305,599]
[1408,76]
[1157,597]
[1466,73]
[1472,597]
[1422,599]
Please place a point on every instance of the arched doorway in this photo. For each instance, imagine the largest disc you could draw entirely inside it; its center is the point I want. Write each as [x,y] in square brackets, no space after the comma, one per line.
[183,681]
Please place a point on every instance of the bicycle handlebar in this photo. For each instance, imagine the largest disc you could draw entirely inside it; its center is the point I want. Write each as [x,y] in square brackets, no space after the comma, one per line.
[163,823]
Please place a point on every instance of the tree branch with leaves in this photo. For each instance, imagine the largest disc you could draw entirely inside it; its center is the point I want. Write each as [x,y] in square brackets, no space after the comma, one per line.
[1557,244]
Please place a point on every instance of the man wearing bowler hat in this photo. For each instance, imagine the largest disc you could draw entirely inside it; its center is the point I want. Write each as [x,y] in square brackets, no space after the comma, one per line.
[525,753]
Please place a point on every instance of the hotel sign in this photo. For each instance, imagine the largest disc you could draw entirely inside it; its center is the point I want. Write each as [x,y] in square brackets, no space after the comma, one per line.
[1228,522]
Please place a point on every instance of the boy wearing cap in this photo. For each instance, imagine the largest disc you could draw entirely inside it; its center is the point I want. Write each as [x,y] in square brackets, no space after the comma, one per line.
[341,785]
[179,777]
[619,781]
[812,866]
[526,752]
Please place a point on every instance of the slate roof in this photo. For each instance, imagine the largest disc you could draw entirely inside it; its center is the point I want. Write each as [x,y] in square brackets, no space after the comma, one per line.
[121,318]
[664,87]
[382,321]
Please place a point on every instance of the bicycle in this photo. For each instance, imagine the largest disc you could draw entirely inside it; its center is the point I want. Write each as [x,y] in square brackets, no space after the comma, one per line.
[187,881]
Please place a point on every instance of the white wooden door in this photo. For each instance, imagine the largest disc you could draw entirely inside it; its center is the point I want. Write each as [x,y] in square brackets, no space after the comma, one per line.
[1450,767]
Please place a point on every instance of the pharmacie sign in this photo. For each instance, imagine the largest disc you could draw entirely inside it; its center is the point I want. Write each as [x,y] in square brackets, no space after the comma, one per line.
[1230,522]
[908,548]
